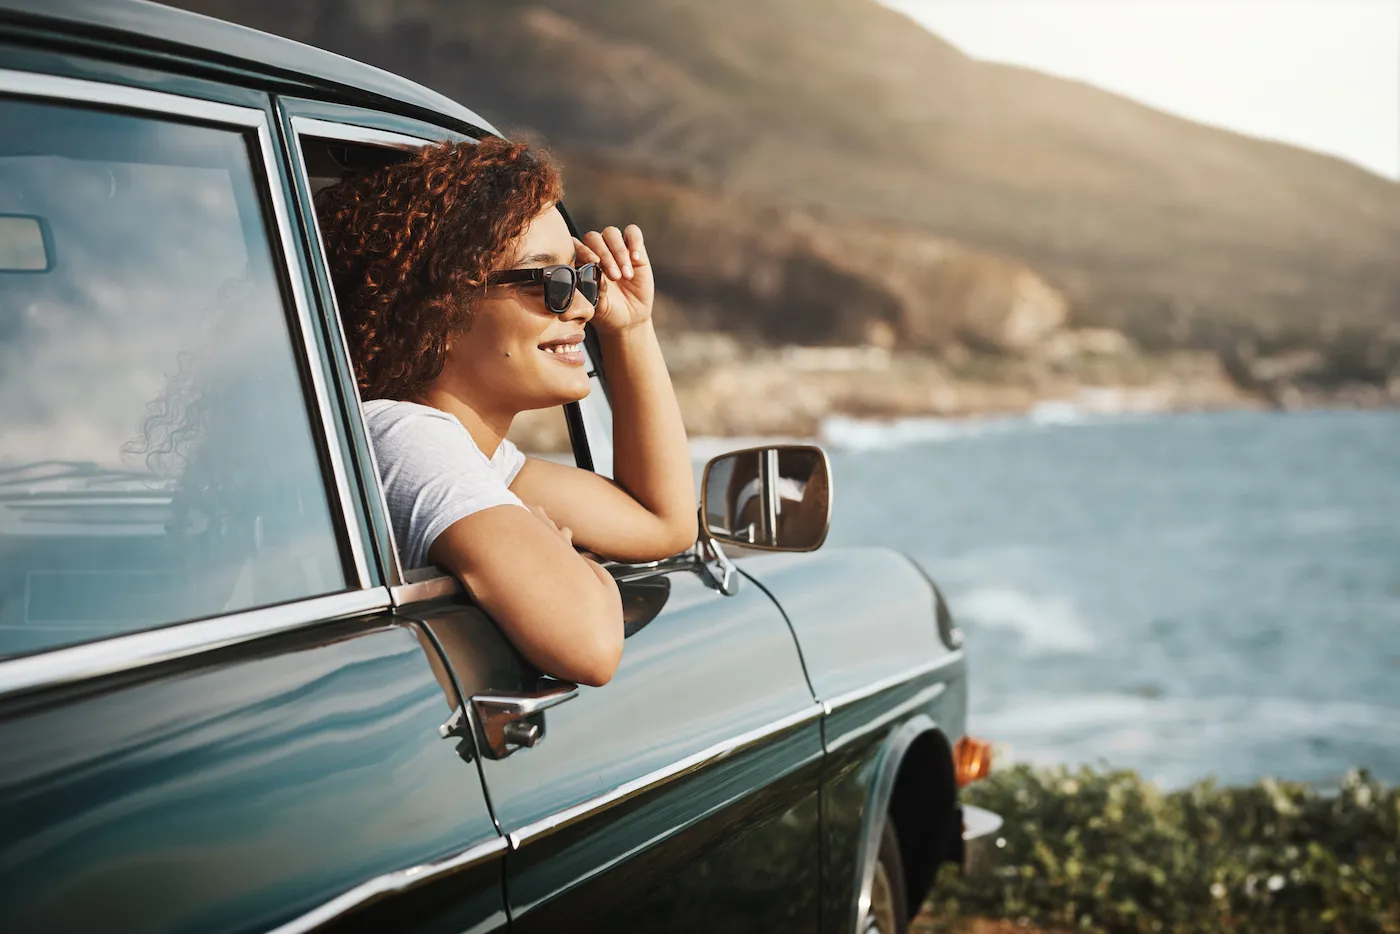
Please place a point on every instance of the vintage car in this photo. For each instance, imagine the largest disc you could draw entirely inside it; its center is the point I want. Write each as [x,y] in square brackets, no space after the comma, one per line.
[226,707]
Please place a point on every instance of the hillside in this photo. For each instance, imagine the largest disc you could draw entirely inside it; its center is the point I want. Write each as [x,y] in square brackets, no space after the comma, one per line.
[895,177]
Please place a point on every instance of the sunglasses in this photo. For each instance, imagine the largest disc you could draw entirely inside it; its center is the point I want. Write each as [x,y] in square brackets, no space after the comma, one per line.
[559,283]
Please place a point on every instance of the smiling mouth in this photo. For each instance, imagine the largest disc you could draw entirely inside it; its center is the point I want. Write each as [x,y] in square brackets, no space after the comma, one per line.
[566,350]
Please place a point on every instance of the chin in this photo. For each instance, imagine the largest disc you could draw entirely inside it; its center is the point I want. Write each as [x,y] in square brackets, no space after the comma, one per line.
[549,396]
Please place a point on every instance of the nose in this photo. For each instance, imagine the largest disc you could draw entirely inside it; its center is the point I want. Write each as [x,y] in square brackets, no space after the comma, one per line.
[579,309]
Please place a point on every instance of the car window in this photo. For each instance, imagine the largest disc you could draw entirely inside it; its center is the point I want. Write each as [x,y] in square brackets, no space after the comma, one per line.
[540,433]
[157,459]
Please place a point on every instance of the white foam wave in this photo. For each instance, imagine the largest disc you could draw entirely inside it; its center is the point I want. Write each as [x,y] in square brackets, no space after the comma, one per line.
[1090,406]
[1044,623]
[874,434]
[1057,413]
[704,447]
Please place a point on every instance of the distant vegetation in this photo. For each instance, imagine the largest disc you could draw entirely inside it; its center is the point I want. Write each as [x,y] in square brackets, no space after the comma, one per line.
[827,172]
[1105,851]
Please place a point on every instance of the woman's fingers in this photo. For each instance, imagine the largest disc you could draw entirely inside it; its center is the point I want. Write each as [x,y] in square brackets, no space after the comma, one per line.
[618,246]
[584,254]
[619,252]
[566,533]
[636,249]
[595,242]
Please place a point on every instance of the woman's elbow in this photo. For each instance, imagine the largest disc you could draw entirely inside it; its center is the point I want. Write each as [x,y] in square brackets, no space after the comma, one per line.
[685,530]
[596,653]
[672,537]
[595,658]
[597,667]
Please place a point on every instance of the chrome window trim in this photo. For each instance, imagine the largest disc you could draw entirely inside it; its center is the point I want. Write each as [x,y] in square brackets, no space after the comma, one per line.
[49,87]
[433,587]
[350,133]
[848,698]
[390,883]
[36,84]
[330,423]
[658,777]
[178,640]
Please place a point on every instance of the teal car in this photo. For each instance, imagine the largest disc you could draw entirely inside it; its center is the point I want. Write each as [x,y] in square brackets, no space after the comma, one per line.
[225,706]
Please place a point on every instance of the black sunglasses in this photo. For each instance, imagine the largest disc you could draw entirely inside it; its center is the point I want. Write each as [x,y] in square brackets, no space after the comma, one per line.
[559,283]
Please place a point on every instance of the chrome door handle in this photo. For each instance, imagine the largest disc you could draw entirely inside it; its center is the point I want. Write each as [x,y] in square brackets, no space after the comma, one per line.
[525,703]
[512,720]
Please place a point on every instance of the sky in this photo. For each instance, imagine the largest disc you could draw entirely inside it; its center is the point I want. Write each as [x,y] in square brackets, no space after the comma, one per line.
[1324,74]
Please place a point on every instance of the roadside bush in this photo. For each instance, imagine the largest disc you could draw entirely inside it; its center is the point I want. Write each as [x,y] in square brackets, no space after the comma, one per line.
[1106,851]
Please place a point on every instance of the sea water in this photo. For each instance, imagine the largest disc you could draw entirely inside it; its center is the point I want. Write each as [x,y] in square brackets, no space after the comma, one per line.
[1186,595]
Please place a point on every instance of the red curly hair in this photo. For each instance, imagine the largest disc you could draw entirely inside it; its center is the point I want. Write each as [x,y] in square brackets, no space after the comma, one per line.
[410,245]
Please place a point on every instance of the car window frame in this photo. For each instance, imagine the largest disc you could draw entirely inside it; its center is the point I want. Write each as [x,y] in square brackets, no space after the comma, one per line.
[315,120]
[363,591]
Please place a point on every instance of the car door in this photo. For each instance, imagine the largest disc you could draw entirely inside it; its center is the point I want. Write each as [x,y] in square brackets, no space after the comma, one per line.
[683,795]
[210,721]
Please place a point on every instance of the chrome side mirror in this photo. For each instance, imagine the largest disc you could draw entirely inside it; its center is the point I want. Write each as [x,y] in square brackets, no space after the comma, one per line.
[25,244]
[772,498]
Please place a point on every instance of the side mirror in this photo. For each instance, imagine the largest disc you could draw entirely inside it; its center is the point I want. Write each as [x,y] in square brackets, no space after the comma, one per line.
[772,498]
[24,244]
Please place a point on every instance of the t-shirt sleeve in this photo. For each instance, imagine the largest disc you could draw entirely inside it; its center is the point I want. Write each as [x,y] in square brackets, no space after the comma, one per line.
[433,475]
[511,460]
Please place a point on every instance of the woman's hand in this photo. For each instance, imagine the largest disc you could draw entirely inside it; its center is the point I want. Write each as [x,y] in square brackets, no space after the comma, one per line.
[629,289]
[565,533]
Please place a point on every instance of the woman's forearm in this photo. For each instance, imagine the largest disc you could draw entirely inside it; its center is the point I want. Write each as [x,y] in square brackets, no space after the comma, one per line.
[651,459]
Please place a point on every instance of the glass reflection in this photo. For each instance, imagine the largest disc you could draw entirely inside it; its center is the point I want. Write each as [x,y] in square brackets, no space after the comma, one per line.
[156,458]
[775,497]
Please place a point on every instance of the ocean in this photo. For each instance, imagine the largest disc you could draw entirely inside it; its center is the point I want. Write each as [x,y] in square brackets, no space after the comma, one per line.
[1184,595]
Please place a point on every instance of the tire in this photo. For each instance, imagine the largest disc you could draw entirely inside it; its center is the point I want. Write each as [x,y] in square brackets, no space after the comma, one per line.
[889,899]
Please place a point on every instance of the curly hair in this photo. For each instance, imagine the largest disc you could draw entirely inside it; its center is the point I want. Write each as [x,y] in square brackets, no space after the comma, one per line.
[410,245]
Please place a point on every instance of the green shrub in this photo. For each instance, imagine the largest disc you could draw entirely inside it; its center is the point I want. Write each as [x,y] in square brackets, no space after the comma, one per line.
[1092,850]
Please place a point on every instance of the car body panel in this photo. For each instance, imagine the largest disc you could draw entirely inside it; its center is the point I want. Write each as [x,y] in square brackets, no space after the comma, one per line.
[731,848]
[237,792]
[836,623]
[885,678]
[709,708]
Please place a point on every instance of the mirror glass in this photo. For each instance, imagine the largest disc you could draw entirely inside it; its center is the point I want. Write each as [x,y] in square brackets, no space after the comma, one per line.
[776,498]
[23,247]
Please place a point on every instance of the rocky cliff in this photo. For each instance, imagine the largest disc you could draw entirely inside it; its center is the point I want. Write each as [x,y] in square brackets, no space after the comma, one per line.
[827,172]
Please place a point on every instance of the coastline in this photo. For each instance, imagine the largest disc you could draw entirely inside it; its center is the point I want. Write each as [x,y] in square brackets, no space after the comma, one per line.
[853,393]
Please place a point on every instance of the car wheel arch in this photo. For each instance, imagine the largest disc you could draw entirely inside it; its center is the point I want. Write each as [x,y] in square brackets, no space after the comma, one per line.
[915,786]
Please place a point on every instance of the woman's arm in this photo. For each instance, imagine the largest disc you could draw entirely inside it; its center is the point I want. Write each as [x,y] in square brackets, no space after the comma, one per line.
[649,512]
[560,610]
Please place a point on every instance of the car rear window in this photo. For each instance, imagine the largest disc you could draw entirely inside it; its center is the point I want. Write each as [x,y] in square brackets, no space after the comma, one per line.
[157,459]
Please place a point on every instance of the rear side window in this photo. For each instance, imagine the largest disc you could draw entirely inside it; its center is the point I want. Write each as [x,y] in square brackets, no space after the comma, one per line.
[157,459]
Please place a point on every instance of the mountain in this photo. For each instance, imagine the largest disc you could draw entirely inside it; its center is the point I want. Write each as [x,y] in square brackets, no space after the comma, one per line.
[870,175]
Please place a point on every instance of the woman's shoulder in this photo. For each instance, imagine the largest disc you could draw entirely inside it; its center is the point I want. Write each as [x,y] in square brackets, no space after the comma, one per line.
[385,412]
[411,429]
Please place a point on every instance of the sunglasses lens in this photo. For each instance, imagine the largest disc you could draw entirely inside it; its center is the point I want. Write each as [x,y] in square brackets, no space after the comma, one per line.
[588,282]
[559,288]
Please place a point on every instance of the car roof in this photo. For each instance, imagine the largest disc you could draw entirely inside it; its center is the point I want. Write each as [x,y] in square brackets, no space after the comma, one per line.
[164,30]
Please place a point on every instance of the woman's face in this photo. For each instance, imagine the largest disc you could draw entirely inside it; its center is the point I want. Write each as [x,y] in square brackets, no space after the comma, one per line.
[518,354]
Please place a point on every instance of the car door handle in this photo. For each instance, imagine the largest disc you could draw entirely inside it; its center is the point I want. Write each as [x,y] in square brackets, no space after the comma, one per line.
[511,720]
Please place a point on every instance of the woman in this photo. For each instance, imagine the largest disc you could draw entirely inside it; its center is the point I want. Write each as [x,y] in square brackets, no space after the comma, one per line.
[465,299]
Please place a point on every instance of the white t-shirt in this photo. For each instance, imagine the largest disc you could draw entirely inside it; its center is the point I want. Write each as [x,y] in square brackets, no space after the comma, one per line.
[433,473]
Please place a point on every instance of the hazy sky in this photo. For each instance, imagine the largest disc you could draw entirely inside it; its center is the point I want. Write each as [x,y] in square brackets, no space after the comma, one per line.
[1324,74]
